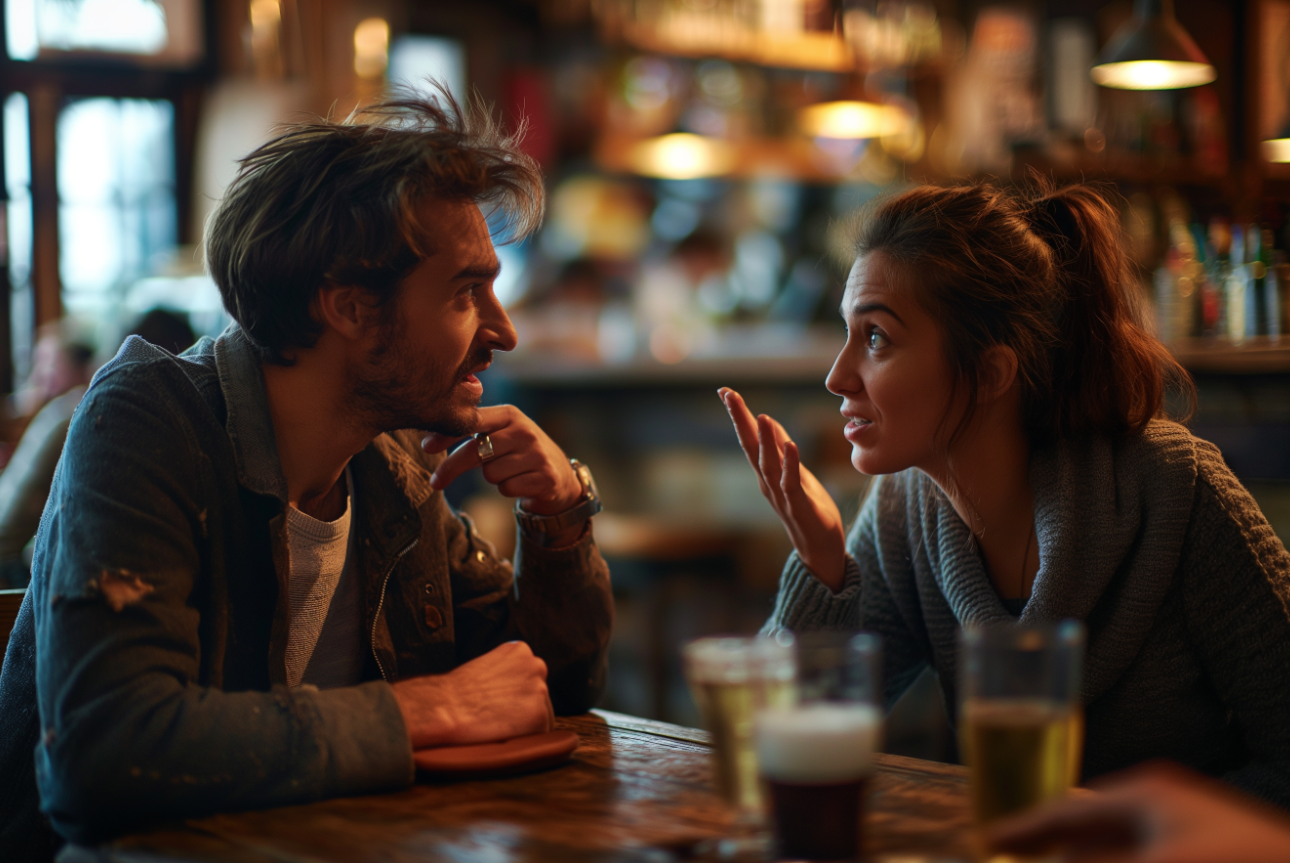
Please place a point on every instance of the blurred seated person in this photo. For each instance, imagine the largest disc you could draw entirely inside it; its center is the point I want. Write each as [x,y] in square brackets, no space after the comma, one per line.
[1157,813]
[248,590]
[25,482]
[62,365]
[165,328]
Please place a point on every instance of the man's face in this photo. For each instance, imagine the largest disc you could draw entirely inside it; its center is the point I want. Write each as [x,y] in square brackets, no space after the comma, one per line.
[437,332]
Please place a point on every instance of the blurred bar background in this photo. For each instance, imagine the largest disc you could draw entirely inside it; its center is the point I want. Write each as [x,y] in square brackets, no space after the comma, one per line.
[703,157]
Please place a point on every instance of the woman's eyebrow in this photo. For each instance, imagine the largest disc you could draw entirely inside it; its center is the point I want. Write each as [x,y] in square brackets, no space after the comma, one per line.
[865,308]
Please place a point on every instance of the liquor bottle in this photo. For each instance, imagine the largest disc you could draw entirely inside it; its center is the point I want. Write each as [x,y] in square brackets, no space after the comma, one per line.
[1235,286]
[1220,267]
[1266,286]
[1256,311]
[1274,287]
[1206,293]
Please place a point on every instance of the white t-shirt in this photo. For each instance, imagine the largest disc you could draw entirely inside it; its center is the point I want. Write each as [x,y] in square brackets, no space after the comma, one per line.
[324,641]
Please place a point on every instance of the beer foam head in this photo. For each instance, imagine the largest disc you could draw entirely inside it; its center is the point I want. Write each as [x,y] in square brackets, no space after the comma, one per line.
[817,743]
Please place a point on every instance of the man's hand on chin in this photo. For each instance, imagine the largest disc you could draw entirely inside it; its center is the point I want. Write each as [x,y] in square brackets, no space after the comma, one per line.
[525,464]
[497,696]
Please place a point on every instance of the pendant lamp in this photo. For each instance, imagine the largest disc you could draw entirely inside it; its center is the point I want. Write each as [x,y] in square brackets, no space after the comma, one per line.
[1152,51]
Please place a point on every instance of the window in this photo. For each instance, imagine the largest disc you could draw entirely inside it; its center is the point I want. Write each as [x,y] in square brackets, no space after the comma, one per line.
[150,32]
[414,58]
[116,191]
[18,227]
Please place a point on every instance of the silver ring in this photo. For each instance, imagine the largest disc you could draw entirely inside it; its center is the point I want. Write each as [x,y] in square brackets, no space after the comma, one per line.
[484,446]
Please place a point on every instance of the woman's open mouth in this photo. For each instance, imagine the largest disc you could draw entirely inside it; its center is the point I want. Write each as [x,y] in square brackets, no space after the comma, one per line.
[856,428]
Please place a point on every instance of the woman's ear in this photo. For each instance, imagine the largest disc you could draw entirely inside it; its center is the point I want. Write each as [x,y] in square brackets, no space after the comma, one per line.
[998,372]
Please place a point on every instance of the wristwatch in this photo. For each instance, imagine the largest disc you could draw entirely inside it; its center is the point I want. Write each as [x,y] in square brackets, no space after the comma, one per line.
[587,506]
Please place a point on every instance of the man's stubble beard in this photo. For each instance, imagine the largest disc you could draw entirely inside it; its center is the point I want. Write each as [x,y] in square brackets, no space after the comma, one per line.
[396,389]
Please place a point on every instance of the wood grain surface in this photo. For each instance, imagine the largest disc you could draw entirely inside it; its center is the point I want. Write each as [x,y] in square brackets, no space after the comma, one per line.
[635,791]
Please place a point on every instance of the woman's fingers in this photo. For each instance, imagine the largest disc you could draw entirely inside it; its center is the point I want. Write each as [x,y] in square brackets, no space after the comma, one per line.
[791,481]
[770,458]
[745,425]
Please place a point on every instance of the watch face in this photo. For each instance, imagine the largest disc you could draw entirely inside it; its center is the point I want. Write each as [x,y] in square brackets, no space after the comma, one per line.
[584,476]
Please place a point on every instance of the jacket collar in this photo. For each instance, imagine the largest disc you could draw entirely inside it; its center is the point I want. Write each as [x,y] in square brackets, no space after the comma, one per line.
[249,424]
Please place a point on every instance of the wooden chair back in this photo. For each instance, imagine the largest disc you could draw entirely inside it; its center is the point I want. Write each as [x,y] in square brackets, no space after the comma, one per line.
[10,601]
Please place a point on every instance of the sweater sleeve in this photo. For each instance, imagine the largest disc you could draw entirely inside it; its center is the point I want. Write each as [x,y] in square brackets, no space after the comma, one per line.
[1236,582]
[865,602]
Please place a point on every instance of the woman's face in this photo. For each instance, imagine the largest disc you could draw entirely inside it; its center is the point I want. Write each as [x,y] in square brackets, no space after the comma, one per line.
[892,375]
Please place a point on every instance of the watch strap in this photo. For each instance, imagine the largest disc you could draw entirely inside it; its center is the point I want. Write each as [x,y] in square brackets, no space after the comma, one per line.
[587,506]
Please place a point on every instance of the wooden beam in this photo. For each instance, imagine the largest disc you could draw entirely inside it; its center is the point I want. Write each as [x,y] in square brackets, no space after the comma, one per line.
[45,280]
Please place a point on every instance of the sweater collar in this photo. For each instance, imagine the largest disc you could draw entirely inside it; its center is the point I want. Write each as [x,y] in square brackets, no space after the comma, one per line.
[1110,519]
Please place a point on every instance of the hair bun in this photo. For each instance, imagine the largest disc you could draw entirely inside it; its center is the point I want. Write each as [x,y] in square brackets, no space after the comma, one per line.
[1054,222]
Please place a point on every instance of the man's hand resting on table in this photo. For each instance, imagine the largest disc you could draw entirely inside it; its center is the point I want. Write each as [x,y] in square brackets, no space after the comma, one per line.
[497,696]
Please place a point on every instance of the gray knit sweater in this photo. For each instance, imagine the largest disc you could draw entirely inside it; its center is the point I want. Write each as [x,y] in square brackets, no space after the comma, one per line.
[1153,543]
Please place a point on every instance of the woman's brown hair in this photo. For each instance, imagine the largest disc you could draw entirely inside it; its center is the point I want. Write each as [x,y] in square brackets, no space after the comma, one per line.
[1043,272]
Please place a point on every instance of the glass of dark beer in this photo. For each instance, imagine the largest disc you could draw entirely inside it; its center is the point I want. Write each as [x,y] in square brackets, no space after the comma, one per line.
[816,756]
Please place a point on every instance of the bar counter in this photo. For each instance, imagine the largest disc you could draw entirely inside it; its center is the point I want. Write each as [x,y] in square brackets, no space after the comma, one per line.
[635,790]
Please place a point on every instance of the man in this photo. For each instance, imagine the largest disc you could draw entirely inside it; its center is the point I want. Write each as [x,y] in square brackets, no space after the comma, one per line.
[248,589]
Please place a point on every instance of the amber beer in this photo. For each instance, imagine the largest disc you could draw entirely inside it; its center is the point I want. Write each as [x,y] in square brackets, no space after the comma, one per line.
[732,679]
[816,761]
[1019,750]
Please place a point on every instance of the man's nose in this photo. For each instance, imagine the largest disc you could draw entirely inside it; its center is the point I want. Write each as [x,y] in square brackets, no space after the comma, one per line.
[498,331]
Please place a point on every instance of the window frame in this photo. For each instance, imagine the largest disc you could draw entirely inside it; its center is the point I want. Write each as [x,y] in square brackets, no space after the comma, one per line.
[48,84]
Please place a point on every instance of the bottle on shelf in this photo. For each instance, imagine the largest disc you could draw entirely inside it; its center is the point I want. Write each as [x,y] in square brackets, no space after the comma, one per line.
[1220,266]
[1266,286]
[1235,286]
[1207,302]
[1256,322]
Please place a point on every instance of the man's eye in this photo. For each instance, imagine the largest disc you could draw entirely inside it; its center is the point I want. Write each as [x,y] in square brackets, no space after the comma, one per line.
[877,340]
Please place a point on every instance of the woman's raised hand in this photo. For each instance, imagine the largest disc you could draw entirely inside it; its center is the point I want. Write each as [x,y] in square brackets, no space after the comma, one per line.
[809,514]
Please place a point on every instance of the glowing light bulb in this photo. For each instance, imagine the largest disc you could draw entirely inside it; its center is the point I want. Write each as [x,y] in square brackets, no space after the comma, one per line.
[682,156]
[371,47]
[850,120]
[1153,74]
[1277,150]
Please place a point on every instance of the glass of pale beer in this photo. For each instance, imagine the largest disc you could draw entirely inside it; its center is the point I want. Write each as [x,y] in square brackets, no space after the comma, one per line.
[816,756]
[1020,723]
[731,679]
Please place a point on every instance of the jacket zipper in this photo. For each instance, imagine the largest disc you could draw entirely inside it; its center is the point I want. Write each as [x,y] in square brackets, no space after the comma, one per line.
[380,604]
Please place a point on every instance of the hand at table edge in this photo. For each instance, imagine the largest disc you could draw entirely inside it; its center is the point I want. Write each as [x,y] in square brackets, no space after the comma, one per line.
[497,696]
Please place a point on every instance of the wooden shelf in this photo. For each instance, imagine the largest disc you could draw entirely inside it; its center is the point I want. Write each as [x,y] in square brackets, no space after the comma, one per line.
[698,37]
[1256,355]
[1074,164]
[795,157]
[745,355]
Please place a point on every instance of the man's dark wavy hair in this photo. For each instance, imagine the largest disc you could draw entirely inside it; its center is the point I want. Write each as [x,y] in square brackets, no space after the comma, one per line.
[337,202]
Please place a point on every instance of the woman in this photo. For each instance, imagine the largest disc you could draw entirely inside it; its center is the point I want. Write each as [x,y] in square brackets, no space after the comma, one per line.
[996,378]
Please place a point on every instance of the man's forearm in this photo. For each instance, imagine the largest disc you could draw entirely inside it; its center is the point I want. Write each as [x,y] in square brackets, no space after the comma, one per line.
[563,606]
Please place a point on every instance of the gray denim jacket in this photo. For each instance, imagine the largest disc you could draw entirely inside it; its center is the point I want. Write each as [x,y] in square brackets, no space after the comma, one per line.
[153,635]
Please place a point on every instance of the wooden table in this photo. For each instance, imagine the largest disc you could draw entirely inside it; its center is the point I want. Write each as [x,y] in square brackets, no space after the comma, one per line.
[636,791]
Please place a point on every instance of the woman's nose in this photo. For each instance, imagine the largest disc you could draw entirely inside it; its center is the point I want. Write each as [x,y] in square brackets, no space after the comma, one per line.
[844,376]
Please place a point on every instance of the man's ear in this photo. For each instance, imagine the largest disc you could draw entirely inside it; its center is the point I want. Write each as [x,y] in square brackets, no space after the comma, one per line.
[347,309]
[998,372]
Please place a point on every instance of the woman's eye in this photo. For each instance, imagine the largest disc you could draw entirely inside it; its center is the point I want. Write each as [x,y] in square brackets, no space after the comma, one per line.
[877,340]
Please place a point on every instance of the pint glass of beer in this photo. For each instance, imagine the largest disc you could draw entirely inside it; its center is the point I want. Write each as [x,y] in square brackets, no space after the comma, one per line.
[731,679]
[1021,726]
[817,755]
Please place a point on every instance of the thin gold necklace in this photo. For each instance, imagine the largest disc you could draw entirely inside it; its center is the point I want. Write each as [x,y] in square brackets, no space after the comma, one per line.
[1025,559]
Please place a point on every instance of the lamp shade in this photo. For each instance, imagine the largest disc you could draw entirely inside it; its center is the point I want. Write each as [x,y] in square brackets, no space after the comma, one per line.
[1152,52]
